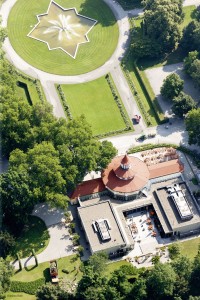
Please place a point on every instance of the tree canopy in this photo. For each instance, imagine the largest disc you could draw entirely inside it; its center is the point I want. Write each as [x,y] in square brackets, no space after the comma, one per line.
[161,30]
[192,126]
[182,104]
[172,86]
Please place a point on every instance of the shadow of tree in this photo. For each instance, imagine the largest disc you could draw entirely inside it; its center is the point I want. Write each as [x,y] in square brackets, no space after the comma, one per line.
[46,275]
[99,11]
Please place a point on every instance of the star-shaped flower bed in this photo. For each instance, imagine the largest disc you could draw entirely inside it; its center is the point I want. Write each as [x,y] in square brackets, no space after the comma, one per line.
[62,28]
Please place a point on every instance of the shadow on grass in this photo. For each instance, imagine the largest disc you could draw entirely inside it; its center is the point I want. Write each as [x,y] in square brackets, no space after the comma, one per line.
[30,268]
[46,275]
[96,10]
[175,57]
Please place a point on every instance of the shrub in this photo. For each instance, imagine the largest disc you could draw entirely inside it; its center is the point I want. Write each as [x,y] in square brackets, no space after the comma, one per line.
[64,102]
[27,287]
[65,271]
[174,250]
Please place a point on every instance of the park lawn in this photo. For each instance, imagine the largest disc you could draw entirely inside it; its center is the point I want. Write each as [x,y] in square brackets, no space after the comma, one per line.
[103,37]
[190,248]
[71,263]
[111,267]
[19,296]
[34,236]
[175,57]
[95,100]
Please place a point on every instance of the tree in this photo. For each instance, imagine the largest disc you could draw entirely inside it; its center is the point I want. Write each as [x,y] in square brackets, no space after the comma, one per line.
[98,261]
[195,72]
[16,197]
[182,267]
[174,250]
[182,104]
[172,86]
[107,151]
[5,275]
[160,281]
[44,173]
[119,280]
[161,23]
[195,275]
[188,61]
[192,122]
[190,40]
[7,242]
[138,291]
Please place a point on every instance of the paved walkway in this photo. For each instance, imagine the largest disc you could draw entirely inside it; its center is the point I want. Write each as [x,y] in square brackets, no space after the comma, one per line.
[60,244]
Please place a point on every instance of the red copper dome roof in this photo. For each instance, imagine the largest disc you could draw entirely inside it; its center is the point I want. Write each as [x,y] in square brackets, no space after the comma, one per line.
[126,174]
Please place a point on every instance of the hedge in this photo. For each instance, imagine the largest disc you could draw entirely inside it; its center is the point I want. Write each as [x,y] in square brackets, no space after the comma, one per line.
[34,81]
[151,101]
[64,102]
[118,102]
[26,287]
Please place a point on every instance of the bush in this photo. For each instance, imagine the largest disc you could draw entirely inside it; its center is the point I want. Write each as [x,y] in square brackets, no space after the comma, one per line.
[64,102]
[174,250]
[65,271]
[26,287]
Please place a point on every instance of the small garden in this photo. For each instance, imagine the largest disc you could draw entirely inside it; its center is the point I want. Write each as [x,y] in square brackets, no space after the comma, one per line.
[100,102]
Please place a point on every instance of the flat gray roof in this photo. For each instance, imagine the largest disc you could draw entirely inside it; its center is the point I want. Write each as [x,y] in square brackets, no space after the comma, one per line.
[101,210]
[171,211]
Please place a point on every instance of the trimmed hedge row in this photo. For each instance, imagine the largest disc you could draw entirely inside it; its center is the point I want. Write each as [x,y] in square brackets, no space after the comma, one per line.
[137,97]
[34,81]
[118,102]
[64,102]
[147,95]
[26,287]
[193,153]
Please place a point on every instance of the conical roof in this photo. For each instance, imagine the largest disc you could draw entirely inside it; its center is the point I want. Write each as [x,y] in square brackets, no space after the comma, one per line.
[125,160]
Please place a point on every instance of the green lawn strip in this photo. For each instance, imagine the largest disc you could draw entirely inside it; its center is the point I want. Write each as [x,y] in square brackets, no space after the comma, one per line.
[177,55]
[19,296]
[127,4]
[111,267]
[34,236]
[103,37]
[34,87]
[190,248]
[95,100]
[70,263]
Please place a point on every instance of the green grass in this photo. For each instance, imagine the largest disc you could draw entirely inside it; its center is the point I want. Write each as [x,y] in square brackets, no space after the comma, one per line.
[111,267]
[190,248]
[94,99]
[19,296]
[35,236]
[32,90]
[103,37]
[34,273]
[176,56]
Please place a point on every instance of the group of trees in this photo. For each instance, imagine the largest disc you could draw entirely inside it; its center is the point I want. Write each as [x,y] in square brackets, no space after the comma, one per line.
[47,156]
[160,27]
[172,89]
[178,280]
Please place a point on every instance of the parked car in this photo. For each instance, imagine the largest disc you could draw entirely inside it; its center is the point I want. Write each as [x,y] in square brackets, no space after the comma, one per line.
[136,119]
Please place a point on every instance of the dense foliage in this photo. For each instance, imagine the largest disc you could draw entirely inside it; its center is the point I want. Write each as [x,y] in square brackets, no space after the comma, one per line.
[182,104]
[192,126]
[6,271]
[47,156]
[172,86]
[161,30]
[170,281]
